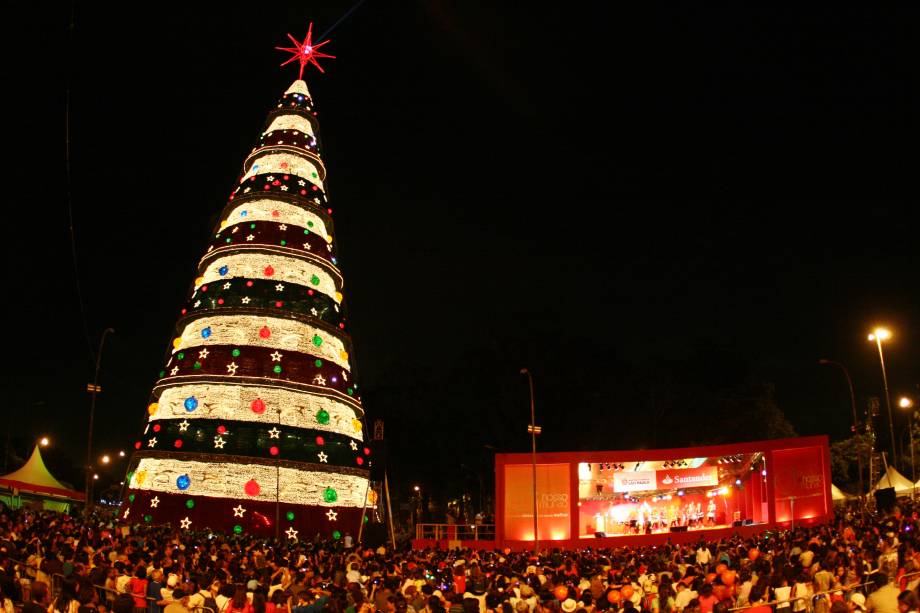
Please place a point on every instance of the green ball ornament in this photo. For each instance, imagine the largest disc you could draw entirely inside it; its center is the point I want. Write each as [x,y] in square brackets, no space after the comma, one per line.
[366,519]
[277,369]
[238,529]
[131,497]
[290,515]
[330,495]
[318,363]
[235,353]
[314,280]
[190,504]
[180,355]
[317,340]
[322,416]
[148,518]
[336,535]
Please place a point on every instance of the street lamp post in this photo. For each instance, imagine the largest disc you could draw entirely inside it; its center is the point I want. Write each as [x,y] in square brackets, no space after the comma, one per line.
[534,430]
[878,335]
[907,403]
[94,389]
[855,419]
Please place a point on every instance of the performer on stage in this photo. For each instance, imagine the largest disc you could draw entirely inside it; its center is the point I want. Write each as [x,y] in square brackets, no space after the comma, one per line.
[711,512]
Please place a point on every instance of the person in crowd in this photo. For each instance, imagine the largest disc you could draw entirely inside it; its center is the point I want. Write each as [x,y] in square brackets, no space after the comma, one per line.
[884,598]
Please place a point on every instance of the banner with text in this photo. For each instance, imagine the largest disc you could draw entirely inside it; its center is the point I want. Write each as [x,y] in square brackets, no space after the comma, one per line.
[702,476]
[636,481]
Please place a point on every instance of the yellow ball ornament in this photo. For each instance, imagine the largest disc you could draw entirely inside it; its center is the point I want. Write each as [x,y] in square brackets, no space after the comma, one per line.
[140,476]
[152,409]
[199,281]
[329,238]
[177,342]
[344,355]
[356,424]
[223,224]
[338,296]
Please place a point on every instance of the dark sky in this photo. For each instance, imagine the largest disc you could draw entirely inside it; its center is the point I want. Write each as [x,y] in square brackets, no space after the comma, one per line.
[585,193]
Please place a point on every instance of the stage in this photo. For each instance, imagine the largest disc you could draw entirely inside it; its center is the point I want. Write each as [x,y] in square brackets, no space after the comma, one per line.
[615,498]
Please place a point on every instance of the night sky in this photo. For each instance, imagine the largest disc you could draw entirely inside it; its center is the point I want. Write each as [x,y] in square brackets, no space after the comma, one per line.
[607,198]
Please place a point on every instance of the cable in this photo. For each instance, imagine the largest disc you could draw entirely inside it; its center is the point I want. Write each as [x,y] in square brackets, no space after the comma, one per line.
[340,20]
[67,184]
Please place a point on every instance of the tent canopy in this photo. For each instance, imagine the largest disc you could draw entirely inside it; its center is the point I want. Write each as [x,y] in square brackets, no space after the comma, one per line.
[34,478]
[838,495]
[900,483]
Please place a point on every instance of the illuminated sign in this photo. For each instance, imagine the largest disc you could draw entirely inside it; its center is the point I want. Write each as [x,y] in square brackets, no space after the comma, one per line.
[634,481]
[687,477]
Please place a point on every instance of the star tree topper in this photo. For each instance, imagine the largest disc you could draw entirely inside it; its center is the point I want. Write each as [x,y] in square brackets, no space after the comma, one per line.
[305,52]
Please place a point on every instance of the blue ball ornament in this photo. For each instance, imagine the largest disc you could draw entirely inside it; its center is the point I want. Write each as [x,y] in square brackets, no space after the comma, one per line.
[191,403]
[183,482]
[206,332]
[223,270]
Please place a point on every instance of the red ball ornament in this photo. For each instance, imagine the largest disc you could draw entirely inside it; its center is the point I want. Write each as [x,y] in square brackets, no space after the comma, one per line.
[156,427]
[249,283]
[320,440]
[265,332]
[204,288]
[360,461]
[257,406]
[269,271]
[137,445]
[178,443]
[285,176]
[367,451]
[252,488]
[341,326]
[561,593]
[220,301]
[613,596]
[309,292]
[221,429]
[303,192]
[273,450]
[276,213]
[184,311]
[279,304]
[627,592]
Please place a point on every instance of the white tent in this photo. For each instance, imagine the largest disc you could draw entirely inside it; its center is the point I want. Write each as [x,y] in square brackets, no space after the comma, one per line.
[838,495]
[901,484]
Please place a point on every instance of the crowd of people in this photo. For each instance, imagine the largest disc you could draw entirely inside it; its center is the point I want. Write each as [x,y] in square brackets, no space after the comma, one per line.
[55,563]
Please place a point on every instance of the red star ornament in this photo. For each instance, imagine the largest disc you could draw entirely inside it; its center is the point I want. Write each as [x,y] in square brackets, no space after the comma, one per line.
[305,52]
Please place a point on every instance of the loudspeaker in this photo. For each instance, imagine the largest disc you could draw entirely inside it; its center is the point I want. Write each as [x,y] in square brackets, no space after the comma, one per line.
[736,523]
[678,528]
[885,499]
[748,521]
[600,535]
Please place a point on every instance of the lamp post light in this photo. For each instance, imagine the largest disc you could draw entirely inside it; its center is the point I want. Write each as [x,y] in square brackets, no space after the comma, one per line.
[855,419]
[907,403]
[93,389]
[44,441]
[878,335]
[534,430]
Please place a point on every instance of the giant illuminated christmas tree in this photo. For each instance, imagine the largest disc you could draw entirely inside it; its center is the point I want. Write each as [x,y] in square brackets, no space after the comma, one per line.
[255,424]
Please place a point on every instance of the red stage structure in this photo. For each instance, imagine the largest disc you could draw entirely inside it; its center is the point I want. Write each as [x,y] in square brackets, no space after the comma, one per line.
[615,498]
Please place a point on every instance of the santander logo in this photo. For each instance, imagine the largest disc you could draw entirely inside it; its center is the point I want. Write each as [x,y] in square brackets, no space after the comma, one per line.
[667,480]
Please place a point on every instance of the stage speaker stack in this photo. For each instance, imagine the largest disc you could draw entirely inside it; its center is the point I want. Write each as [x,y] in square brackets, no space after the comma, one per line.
[748,521]
[678,528]
[600,535]
[885,499]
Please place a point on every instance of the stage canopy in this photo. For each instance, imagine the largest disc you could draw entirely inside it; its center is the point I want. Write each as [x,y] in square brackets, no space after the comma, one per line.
[33,478]
[901,484]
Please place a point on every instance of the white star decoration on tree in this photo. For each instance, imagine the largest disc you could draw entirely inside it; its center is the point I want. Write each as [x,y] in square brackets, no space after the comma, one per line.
[322,457]
[183,425]
[344,376]
[152,442]
[276,357]
[291,533]
[231,368]
[238,511]
[125,516]
[314,312]
[319,380]
[250,237]
[332,515]
[306,245]
[245,300]
[353,445]
[155,501]
[185,523]
[302,183]
[282,227]
[219,442]
[174,370]
[273,433]
[227,285]
[203,354]
[279,288]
